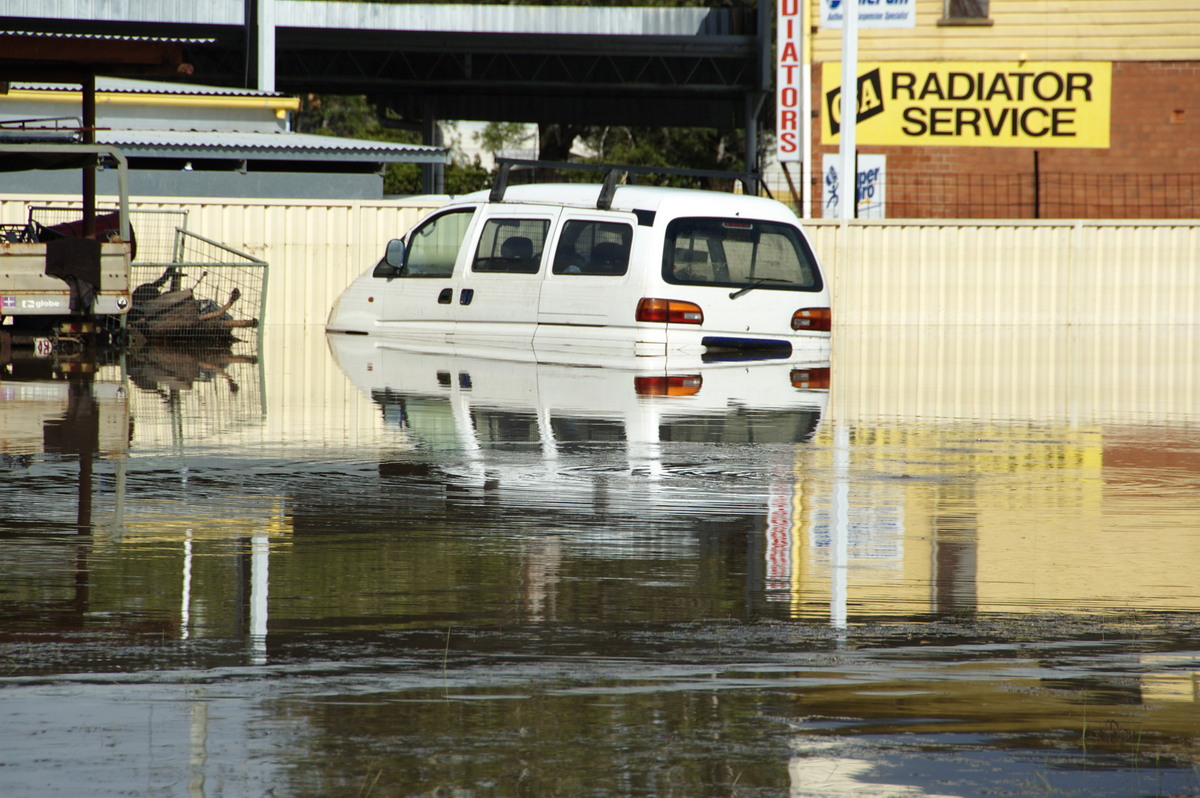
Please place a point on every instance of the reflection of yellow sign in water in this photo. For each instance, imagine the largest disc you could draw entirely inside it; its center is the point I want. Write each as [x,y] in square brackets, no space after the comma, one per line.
[975,104]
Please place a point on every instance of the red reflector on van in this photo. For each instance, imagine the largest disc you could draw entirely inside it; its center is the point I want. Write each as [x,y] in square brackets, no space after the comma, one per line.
[814,319]
[685,385]
[669,311]
[815,379]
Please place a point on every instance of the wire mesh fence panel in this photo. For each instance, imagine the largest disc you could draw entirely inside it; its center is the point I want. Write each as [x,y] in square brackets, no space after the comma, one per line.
[187,289]
[1017,196]
[153,230]
[1121,196]
[206,294]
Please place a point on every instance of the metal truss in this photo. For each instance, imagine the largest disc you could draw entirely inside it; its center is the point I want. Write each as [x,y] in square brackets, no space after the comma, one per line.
[370,71]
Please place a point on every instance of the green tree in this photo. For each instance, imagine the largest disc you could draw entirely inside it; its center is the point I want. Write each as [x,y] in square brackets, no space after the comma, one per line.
[463,177]
[340,115]
[353,116]
[497,136]
[680,148]
[686,148]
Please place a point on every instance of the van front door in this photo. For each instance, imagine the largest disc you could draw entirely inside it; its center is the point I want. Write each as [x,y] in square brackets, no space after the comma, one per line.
[497,302]
[421,305]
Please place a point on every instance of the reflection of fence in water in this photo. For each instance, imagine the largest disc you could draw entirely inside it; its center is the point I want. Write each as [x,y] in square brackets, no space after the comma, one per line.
[187,395]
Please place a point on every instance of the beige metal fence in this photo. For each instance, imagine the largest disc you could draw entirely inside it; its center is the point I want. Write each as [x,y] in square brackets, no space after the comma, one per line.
[883,272]
[1006,273]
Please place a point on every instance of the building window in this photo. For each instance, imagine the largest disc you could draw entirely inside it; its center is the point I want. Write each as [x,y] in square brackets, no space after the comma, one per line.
[965,12]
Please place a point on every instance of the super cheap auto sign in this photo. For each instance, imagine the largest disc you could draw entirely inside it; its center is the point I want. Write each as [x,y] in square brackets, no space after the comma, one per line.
[975,104]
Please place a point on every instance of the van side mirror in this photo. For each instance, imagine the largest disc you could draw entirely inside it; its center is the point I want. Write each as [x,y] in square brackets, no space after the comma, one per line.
[394,255]
[393,260]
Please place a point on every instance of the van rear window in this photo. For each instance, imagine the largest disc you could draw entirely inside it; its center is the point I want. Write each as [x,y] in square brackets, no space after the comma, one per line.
[736,253]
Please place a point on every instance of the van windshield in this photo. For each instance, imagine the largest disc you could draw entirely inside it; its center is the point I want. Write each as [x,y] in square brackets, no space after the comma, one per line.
[739,253]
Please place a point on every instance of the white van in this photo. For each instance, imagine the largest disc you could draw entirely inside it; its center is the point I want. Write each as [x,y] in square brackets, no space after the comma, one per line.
[569,270]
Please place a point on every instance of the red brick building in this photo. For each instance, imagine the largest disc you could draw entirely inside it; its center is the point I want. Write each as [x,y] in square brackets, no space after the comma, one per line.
[1119,79]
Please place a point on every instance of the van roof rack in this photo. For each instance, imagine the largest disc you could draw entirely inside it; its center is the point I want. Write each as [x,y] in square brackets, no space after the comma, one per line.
[612,172]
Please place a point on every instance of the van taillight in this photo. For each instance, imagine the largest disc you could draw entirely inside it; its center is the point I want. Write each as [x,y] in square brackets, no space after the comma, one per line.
[814,379]
[687,385]
[814,319]
[669,311]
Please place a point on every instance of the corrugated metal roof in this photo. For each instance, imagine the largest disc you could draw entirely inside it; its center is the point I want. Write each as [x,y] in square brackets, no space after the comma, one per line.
[134,86]
[498,18]
[209,12]
[403,16]
[33,34]
[265,146]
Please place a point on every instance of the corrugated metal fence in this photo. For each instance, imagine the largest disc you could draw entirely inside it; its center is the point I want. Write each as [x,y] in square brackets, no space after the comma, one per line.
[889,272]
[1004,273]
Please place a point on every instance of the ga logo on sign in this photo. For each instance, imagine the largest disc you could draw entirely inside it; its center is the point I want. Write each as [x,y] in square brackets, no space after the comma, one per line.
[870,100]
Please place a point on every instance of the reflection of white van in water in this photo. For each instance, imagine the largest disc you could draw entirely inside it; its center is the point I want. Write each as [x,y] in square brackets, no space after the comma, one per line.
[525,426]
[625,270]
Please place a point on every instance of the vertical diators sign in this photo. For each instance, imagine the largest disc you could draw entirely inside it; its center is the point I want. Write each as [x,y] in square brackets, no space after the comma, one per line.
[789,129]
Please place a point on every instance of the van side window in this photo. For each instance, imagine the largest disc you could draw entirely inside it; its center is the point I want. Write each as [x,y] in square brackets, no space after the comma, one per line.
[433,247]
[511,245]
[593,248]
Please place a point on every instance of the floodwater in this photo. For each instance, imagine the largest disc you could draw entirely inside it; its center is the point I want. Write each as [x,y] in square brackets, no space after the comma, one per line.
[960,562]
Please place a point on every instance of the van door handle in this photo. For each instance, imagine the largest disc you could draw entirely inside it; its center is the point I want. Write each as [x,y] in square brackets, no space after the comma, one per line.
[445,296]
[466,295]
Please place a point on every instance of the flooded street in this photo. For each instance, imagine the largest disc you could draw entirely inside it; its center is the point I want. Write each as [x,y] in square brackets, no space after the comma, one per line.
[955,562]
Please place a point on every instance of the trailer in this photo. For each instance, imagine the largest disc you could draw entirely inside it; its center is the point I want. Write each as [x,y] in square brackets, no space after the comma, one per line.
[64,288]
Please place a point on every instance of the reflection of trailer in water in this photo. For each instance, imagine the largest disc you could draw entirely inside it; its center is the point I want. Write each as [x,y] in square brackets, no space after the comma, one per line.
[504,424]
[46,419]
[62,416]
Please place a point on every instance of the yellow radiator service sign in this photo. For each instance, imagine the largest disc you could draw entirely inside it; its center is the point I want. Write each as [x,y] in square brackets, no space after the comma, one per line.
[975,104]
